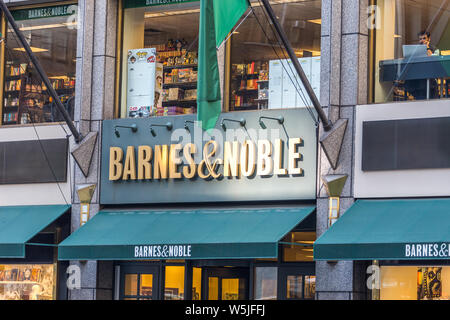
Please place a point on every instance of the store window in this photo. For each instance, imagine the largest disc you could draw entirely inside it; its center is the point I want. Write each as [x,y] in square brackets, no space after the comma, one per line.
[266,283]
[415,283]
[409,50]
[196,283]
[27,282]
[298,246]
[52,34]
[262,77]
[174,284]
[159,58]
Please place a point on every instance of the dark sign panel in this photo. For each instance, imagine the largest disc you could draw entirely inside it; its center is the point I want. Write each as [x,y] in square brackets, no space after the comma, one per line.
[406,144]
[249,156]
[33,161]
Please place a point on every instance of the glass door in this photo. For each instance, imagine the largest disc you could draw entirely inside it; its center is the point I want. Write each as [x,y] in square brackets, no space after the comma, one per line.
[226,283]
[296,285]
[139,283]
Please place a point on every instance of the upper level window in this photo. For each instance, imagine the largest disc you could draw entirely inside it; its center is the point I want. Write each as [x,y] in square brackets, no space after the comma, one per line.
[51,33]
[409,50]
[159,58]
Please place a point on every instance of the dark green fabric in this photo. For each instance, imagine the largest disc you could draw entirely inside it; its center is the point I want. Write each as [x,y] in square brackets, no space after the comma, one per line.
[208,82]
[18,224]
[226,15]
[380,230]
[212,234]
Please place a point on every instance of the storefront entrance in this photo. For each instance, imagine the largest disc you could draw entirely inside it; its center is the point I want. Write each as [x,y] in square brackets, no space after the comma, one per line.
[225,283]
[139,283]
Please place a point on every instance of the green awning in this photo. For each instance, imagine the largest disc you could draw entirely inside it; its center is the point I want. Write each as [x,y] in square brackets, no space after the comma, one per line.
[404,229]
[19,224]
[198,234]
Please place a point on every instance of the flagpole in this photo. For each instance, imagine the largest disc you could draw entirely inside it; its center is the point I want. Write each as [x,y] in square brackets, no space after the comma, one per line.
[327,125]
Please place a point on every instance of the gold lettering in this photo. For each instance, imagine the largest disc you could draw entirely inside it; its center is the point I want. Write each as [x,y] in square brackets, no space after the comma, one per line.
[265,162]
[115,163]
[294,156]
[174,161]
[231,159]
[248,158]
[191,168]
[161,160]
[278,165]
[129,169]
[145,154]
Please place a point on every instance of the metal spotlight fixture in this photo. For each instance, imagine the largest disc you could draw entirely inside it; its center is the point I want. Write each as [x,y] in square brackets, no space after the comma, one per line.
[186,126]
[280,120]
[133,128]
[242,122]
[168,126]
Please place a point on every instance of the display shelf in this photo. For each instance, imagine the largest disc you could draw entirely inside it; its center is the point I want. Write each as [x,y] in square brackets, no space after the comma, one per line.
[181,66]
[262,81]
[246,107]
[246,91]
[16,77]
[10,122]
[262,100]
[180,85]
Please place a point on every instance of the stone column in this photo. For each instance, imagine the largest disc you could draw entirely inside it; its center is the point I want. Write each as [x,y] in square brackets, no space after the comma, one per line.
[94,101]
[343,86]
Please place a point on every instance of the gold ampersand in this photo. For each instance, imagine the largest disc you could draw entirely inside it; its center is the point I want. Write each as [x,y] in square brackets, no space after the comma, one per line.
[207,162]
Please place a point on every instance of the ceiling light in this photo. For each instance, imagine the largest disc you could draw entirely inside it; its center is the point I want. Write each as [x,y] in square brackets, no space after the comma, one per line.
[33,49]
[47,26]
[316,21]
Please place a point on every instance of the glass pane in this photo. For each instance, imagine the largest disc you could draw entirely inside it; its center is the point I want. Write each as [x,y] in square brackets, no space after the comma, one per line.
[27,282]
[266,283]
[260,73]
[196,283]
[130,299]
[146,285]
[301,248]
[411,40]
[294,287]
[233,289]
[159,66]
[174,286]
[53,39]
[131,284]
[213,288]
[310,287]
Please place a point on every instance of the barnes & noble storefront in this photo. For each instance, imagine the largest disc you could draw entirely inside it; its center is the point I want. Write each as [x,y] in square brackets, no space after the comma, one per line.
[192,216]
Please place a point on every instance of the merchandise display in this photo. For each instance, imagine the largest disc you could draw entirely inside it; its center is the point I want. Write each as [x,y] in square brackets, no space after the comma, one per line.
[27,282]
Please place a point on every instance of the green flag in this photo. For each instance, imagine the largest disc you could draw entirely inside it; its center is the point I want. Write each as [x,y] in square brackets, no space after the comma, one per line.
[217,17]
[226,14]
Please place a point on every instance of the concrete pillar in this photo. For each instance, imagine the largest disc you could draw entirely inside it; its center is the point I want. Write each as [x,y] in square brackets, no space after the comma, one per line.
[343,86]
[95,85]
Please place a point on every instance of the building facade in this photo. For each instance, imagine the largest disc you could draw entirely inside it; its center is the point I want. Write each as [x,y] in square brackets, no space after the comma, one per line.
[161,210]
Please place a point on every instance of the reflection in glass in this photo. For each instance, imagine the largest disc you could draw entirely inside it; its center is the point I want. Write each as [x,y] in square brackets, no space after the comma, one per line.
[294,287]
[266,283]
[213,288]
[301,247]
[131,284]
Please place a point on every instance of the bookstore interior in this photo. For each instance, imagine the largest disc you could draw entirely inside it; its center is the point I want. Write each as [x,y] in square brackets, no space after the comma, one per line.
[159,65]
[53,39]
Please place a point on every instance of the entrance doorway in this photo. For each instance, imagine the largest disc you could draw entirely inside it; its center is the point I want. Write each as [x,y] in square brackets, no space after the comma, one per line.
[225,283]
[139,283]
[296,284]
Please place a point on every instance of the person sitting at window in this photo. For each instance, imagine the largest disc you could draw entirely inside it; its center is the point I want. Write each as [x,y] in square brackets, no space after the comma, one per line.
[425,38]
[418,88]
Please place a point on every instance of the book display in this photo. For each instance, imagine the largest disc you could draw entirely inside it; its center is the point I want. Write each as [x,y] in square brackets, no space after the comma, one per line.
[26,99]
[249,86]
[27,282]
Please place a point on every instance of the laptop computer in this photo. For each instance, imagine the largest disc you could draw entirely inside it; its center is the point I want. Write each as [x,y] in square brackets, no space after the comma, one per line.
[415,51]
